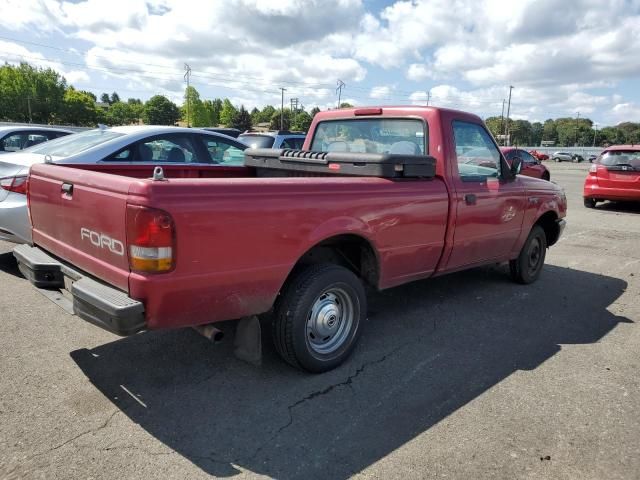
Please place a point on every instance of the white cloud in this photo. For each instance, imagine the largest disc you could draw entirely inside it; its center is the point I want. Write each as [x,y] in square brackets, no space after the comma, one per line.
[381,91]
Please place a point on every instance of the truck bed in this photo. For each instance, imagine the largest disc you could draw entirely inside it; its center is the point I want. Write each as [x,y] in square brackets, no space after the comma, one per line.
[237,239]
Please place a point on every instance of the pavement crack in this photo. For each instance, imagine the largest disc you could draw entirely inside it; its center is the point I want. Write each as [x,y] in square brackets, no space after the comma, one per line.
[104,425]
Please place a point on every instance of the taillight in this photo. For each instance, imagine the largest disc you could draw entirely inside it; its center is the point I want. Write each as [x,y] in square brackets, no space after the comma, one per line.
[593,168]
[15,184]
[151,239]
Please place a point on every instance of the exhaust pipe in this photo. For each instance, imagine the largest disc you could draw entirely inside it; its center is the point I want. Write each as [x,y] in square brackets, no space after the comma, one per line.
[210,332]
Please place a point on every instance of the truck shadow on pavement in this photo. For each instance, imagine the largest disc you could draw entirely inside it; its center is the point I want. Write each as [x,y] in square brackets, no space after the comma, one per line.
[427,349]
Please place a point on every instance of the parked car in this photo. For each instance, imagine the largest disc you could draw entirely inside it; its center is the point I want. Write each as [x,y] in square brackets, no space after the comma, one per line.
[566,157]
[231,132]
[134,150]
[16,138]
[530,165]
[276,139]
[194,251]
[592,158]
[615,175]
[539,155]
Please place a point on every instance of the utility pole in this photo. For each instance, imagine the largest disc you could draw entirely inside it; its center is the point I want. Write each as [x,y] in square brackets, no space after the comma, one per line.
[340,84]
[428,97]
[577,118]
[595,126]
[294,109]
[29,106]
[508,111]
[187,77]
[502,118]
[282,90]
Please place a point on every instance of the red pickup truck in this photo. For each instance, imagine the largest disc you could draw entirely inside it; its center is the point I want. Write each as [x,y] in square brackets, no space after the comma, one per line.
[302,239]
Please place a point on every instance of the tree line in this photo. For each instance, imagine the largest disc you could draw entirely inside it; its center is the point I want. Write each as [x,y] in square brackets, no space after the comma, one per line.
[564,132]
[42,95]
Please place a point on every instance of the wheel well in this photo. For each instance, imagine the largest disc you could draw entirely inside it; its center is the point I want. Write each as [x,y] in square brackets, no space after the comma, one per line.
[549,224]
[350,251]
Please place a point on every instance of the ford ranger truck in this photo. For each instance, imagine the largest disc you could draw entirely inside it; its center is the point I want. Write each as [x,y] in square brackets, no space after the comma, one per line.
[379,196]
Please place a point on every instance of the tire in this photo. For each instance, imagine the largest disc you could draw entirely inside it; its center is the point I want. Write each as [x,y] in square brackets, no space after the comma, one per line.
[557,159]
[318,317]
[575,160]
[590,202]
[527,267]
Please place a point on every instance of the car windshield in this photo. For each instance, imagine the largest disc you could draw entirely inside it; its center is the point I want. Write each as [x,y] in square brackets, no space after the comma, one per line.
[73,144]
[257,141]
[372,135]
[614,158]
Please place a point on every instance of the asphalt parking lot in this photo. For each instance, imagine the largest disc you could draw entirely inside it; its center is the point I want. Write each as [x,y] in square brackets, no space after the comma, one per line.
[464,376]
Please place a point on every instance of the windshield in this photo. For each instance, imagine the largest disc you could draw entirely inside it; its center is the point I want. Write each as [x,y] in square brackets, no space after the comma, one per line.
[615,158]
[257,141]
[73,144]
[372,135]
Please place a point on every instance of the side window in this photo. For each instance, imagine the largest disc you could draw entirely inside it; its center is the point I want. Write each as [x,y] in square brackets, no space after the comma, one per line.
[224,153]
[294,143]
[478,157]
[527,158]
[35,139]
[172,148]
[15,142]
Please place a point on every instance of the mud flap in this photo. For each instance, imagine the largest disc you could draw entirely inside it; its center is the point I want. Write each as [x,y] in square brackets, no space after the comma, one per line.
[248,340]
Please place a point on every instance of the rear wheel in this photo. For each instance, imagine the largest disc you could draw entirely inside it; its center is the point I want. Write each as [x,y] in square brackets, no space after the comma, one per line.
[557,159]
[318,317]
[527,267]
[590,202]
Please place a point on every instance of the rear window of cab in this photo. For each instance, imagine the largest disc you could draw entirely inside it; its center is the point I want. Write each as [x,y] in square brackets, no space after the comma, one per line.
[406,136]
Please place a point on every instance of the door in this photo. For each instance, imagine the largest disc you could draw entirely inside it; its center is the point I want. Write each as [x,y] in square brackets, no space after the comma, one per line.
[490,209]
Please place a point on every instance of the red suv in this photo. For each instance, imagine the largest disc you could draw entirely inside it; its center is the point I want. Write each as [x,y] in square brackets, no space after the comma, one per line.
[531,166]
[614,175]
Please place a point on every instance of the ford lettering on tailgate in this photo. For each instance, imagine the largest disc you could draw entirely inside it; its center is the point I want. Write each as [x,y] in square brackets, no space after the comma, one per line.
[101,240]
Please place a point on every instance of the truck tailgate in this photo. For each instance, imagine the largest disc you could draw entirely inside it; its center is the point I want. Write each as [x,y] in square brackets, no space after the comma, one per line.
[79,216]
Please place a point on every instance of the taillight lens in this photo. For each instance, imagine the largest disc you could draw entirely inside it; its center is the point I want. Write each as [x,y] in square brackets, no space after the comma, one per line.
[15,184]
[151,239]
[593,168]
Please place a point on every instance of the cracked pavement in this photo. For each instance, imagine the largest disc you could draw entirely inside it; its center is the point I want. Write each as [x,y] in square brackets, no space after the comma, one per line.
[464,376]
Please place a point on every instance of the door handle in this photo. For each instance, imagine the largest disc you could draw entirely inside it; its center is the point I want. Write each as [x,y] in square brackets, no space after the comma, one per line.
[470,199]
[67,188]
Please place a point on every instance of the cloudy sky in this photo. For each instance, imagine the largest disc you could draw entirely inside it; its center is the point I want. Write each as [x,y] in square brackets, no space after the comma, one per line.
[562,57]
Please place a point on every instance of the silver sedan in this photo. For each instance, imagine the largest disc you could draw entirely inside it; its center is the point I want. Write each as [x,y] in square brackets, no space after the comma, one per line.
[136,145]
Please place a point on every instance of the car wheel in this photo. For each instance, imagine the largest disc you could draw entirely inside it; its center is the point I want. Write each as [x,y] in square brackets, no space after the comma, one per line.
[318,317]
[527,267]
[557,159]
[590,202]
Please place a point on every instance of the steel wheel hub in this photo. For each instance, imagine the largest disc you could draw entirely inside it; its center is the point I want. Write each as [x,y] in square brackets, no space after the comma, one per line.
[330,321]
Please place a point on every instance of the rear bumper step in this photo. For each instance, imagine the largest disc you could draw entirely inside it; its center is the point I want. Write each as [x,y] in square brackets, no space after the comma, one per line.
[93,301]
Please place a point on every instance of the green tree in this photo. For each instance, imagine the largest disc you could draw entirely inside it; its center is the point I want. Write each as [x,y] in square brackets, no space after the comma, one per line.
[104,98]
[314,111]
[227,112]
[115,98]
[255,115]
[198,115]
[266,114]
[212,112]
[536,133]
[495,125]
[121,113]
[79,108]
[159,110]
[274,123]
[301,121]
[345,105]
[30,93]
[241,119]
[549,131]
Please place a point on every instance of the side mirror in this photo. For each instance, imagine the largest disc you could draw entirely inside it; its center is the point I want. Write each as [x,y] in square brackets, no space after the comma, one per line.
[516,166]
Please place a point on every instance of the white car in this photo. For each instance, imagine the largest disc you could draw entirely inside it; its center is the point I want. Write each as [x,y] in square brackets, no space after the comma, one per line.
[19,137]
[133,145]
